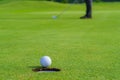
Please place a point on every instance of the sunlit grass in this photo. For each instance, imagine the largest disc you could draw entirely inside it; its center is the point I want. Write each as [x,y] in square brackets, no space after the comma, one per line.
[82,49]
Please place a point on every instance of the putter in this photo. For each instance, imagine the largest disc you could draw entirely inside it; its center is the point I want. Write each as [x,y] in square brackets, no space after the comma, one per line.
[54,17]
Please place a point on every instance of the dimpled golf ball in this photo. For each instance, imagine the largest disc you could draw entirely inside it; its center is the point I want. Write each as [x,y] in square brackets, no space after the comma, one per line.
[54,17]
[45,61]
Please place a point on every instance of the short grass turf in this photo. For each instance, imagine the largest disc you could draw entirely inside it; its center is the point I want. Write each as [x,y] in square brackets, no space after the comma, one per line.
[83,49]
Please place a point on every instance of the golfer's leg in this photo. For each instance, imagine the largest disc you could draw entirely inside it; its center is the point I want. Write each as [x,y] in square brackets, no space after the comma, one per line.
[88,8]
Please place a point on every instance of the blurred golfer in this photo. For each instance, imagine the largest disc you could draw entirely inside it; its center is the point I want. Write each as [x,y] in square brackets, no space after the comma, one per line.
[88,10]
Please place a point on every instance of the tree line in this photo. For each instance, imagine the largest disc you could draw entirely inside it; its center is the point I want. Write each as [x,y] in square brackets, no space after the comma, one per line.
[80,1]
[67,1]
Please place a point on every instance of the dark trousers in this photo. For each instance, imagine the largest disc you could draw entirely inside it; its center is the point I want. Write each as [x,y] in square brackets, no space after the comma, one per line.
[88,8]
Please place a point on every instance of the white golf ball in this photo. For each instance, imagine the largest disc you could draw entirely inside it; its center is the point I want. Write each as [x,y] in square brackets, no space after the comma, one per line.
[54,17]
[45,61]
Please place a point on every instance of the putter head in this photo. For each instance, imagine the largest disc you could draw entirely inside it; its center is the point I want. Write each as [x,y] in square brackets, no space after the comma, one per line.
[54,17]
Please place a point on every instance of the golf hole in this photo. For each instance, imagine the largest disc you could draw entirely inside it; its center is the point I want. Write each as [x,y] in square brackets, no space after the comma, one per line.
[42,69]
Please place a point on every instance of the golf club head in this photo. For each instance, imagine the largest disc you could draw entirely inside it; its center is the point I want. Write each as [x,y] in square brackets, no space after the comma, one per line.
[54,17]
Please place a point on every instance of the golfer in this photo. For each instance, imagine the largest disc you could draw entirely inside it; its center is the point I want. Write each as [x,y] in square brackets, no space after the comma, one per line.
[88,10]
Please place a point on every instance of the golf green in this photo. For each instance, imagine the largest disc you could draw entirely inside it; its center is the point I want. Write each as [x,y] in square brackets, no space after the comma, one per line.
[86,49]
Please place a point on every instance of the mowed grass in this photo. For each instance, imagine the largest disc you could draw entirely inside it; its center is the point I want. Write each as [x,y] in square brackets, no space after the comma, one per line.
[82,49]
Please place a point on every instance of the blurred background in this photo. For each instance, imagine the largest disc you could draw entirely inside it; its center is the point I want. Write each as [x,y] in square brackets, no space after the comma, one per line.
[66,1]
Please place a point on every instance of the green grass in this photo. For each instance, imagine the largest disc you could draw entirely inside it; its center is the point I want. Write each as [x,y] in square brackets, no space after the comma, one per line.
[82,49]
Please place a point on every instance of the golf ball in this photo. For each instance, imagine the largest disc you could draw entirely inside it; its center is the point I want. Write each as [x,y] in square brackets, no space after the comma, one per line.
[45,61]
[54,17]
